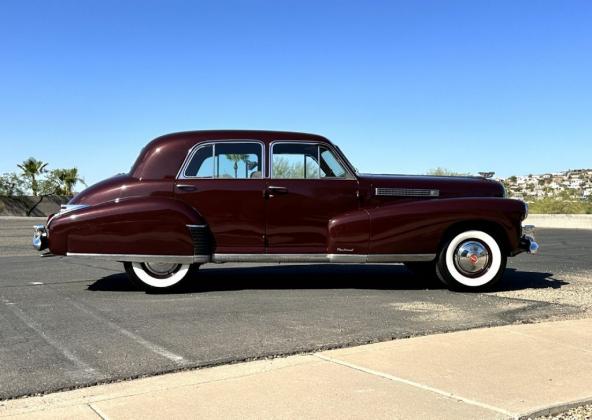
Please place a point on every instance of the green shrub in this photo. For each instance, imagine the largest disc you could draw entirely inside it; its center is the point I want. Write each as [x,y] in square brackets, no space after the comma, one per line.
[559,206]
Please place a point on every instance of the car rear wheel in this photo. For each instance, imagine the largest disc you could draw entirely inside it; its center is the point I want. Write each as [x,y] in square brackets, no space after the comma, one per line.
[158,276]
[471,261]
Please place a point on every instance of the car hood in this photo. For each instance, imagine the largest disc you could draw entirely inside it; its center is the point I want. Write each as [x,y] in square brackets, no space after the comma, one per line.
[446,186]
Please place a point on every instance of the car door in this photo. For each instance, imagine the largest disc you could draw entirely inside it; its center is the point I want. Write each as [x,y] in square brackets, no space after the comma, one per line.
[308,186]
[223,181]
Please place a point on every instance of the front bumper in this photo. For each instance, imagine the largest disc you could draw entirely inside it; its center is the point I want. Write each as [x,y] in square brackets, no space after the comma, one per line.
[40,237]
[527,240]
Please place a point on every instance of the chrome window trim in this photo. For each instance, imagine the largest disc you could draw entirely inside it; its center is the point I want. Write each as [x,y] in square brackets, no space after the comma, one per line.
[349,174]
[193,150]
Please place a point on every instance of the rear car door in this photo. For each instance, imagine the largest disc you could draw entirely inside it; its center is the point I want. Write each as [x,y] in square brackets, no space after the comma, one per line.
[223,180]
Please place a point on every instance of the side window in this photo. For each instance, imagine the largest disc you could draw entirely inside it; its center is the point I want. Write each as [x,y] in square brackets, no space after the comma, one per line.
[226,160]
[202,163]
[295,161]
[305,161]
[330,166]
[238,160]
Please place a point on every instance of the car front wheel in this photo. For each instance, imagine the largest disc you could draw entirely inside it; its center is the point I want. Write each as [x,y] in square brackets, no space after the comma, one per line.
[471,261]
[157,276]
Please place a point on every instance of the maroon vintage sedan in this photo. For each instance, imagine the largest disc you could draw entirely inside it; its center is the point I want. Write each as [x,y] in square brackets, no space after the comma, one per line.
[267,196]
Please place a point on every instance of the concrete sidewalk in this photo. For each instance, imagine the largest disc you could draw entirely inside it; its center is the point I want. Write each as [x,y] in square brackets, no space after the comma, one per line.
[503,372]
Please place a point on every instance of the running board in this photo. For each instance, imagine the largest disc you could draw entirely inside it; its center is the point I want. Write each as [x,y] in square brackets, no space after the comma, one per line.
[263,258]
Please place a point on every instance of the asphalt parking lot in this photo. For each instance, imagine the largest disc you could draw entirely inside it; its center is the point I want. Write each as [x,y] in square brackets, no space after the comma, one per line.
[66,323]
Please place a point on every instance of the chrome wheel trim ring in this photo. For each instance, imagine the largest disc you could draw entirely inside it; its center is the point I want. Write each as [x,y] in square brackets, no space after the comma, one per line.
[150,279]
[484,277]
[161,270]
[472,258]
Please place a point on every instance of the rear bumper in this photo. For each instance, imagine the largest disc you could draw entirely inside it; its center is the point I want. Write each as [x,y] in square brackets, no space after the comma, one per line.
[40,237]
[527,241]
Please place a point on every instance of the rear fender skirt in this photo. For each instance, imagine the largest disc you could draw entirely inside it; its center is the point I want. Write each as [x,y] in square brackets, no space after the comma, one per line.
[133,226]
[419,226]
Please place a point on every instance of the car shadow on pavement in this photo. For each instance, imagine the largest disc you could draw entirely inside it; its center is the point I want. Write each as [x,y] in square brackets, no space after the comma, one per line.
[520,280]
[321,276]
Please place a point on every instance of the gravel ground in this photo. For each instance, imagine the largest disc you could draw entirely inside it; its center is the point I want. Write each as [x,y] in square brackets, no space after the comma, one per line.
[577,292]
[583,412]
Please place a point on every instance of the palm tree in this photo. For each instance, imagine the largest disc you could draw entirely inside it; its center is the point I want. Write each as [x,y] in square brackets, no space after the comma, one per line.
[236,158]
[67,178]
[31,169]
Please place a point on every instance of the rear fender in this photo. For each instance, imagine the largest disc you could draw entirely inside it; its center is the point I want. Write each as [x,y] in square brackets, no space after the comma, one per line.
[349,233]
[139,226]
[419,226]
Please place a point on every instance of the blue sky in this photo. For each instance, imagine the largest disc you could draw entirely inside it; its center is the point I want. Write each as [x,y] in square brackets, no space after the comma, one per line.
[401,86]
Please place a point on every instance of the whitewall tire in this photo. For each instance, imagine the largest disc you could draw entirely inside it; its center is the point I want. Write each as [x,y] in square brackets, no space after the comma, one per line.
[154,276]
[471,260]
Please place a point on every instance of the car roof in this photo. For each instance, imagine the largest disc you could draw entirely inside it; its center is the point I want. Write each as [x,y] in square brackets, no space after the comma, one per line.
[160,159]
[263,135]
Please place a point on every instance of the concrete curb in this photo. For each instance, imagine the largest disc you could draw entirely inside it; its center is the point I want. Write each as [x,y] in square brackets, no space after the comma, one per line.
[553,410]
[560,221]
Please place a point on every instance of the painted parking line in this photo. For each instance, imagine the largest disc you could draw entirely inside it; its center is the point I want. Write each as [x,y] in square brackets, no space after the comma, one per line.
[153,347]
[83,370]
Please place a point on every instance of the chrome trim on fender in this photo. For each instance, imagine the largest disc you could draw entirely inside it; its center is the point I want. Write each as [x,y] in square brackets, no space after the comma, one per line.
[405,192]
[67,208]
[180,259]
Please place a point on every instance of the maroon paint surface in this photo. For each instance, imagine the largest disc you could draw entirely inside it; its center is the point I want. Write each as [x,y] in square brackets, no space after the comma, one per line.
[143,212]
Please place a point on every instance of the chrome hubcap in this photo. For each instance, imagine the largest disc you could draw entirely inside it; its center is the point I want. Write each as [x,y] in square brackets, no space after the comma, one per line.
[161,269]
[472,258]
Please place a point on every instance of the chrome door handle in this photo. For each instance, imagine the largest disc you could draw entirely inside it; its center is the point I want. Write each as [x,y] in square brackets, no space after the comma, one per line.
[277,190]
[185,187]
[272,190]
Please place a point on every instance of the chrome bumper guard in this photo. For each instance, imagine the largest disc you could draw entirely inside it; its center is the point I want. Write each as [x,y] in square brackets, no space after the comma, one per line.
[40,240]
[527,241]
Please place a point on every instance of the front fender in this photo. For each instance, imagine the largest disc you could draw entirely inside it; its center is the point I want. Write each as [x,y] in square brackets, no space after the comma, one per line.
[419,226]
[138,225]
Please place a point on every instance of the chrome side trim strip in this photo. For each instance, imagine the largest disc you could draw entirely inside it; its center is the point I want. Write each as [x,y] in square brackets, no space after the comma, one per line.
[388,258]
[180,259]
[262,258]
[406,192]
[322,258]
[347,258]
[270,258]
